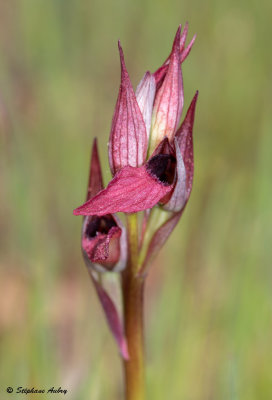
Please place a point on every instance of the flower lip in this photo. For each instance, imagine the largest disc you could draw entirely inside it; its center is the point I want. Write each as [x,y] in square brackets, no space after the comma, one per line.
[99,225]
[101,241]
[163,167]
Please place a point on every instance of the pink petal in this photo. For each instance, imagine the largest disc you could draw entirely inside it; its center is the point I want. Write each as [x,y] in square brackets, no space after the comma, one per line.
[112,317]
[131,190]
[128,137]
[95,177]
[169,100]
[145,94]
[178,197]
[184,138]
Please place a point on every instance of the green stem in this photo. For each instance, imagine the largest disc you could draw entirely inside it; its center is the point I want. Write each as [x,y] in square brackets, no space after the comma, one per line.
[133,287]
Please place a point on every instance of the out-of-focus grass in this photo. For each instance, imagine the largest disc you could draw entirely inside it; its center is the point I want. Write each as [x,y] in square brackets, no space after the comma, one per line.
[208,304]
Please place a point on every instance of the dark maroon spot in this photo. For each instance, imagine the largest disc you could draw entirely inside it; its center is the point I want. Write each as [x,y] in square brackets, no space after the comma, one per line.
[99,225]
[163,166]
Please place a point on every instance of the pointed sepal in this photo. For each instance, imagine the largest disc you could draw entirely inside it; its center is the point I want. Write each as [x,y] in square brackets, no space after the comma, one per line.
[169,100]
[184,137]
[178,196]
[95,175]
[128,137]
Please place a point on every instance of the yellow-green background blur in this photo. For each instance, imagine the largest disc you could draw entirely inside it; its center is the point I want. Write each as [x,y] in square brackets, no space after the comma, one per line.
[209,297]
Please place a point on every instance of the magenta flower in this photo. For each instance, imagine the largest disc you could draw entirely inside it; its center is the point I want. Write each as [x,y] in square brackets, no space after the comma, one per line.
[149,119]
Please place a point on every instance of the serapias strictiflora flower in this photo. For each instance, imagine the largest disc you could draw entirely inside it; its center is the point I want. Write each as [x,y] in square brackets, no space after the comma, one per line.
[147,123]
[103,237]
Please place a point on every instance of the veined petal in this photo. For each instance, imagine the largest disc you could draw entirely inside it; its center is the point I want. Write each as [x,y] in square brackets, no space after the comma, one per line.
[128,137]
[131,190]
[95,176]
[178,197]
[184,138]
[145,94]
[169,100]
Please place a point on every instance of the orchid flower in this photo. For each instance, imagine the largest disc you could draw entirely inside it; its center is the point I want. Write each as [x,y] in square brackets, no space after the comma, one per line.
[153,113]
[152,163]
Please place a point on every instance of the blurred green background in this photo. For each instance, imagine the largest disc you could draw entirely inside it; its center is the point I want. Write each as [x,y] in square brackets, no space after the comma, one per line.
[209,297]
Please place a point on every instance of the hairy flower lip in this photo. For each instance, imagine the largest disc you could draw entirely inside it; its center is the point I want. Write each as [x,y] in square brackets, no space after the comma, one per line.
[162,167]
[102,248]
[100,240]
[131,190]
[100,225]
[105,251]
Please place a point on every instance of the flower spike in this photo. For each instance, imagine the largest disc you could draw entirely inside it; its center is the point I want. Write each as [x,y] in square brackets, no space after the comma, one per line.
[128,137]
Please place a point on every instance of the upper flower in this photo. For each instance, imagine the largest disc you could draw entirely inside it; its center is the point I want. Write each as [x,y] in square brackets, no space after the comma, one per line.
[147,123]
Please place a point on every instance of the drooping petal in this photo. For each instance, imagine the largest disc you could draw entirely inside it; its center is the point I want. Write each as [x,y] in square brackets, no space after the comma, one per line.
[128,137]
[159,75]
[158,240]
[95,176]
[131,190]
[112,316]
[168,101]
[145,94]
[178,196]
[104,243]
[184,138]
